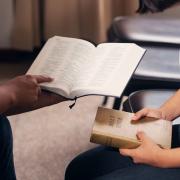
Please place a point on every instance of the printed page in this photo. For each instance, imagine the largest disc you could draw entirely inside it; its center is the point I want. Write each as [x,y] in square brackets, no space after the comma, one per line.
[118,124]
[113,66]
[62,59]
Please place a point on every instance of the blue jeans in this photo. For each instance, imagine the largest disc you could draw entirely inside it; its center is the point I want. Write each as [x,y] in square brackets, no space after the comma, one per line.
[7,171]
[103,163]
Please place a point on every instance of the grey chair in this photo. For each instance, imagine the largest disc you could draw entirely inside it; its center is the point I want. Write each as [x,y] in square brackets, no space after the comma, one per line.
[160,67]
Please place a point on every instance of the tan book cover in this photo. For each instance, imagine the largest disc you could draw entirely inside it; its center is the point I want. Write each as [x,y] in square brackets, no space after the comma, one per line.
[115,128]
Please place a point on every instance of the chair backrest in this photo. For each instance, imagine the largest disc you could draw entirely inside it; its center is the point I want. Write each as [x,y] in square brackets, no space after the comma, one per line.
[161,38]
[145,29]
[160,64]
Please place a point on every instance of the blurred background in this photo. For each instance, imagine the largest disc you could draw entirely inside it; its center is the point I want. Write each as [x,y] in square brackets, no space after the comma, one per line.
[46,140]
[26,23]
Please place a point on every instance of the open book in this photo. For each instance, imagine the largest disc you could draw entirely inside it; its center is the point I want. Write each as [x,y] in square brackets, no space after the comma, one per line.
[79,68]
[115,128]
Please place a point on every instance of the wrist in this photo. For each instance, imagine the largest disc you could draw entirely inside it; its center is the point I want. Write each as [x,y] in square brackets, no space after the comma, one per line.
[165,114]
[7,97]
[161,158]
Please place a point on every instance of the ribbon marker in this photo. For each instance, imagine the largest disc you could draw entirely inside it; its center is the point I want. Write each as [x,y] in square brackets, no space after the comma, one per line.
[72,105]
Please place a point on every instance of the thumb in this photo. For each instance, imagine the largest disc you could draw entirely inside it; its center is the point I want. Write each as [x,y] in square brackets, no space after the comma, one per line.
[141,136]
[42,79]
[140,114]
[126,152]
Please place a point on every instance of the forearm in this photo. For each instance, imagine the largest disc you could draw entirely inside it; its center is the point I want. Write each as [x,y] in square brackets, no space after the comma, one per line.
[45,99]
[169,158]
[6,99]
[171,108]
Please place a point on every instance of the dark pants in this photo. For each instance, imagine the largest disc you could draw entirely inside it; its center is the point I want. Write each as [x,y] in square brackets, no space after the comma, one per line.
[104,163]
[7,171]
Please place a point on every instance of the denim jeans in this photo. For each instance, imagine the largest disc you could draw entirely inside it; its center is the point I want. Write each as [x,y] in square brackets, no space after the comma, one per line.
[103,163]
[7,171]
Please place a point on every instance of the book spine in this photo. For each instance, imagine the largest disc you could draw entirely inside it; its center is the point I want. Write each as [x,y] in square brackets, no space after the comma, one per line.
[113,141]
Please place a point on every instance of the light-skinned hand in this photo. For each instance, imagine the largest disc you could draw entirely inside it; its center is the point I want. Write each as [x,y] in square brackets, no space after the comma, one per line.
[147,153]
[148,112]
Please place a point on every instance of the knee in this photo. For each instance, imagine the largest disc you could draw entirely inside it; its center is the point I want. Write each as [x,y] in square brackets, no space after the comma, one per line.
[71,170]
[6,139]
[77,169]
[85,165]
[68,172]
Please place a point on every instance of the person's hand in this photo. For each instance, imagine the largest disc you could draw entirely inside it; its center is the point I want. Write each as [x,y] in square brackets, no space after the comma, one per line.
[147,153]
[149,112]
[27,95]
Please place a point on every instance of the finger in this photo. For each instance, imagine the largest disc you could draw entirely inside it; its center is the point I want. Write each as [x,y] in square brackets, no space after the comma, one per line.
[136,160]
[126,152]
[143,137]
[39,91]
[140,114]
[42,79]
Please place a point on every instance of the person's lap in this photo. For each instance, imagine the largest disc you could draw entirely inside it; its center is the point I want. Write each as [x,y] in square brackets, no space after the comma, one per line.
[104,163]
[142,172]
[7,171]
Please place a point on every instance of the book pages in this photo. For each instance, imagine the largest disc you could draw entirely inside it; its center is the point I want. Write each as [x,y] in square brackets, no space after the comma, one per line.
[112,70]
[78,68]
[62,59]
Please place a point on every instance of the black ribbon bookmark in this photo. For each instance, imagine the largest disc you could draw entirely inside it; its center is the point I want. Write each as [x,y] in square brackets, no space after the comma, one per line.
[72,105]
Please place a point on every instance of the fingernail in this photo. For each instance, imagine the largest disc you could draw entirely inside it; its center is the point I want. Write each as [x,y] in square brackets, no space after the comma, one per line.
[121,151]
[134,117]
[48,77]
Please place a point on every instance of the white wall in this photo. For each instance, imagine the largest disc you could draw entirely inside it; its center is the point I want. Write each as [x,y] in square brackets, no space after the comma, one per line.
[6,20]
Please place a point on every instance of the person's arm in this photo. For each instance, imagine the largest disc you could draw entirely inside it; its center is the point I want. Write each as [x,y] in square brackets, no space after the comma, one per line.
[6,99]
[169,110]
[23,94]
[149,152]
[170,158]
